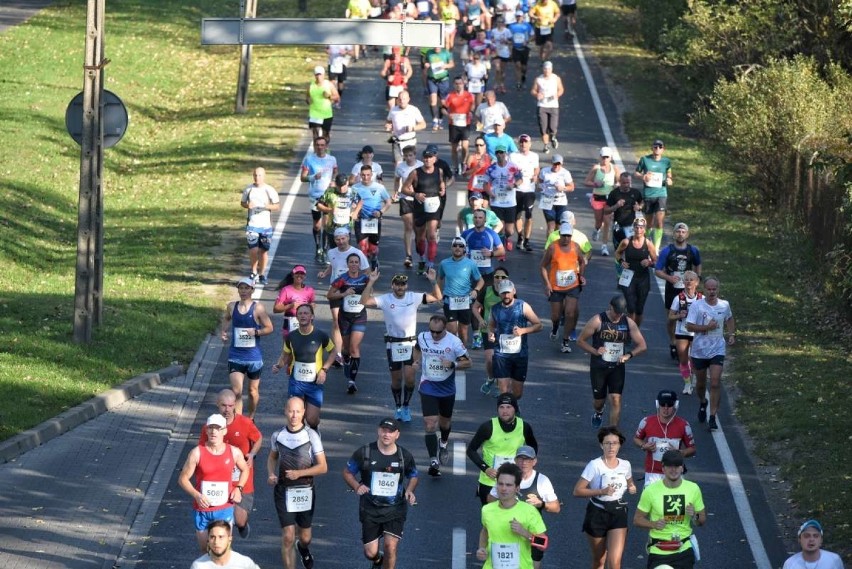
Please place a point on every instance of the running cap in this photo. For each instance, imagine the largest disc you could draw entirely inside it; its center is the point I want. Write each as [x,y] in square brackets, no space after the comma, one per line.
[505,285]
[567,217]
[526,451]
[606,151]
[619,304]
[319,70]
[219,421]
[640,221]
[432,147]
[389,424]
[507,399]
[681,225]
[300,269]
[341,180]
[341,231]
[547,65]
[474,196]
[246,281]
[810,524]
[557,159]
[672,458]
[399,279]
[667,396]
[500,121]
[525,138]
[367,149]
[658,142]
[427,152]
[459,241]
[501,148]
[519,13]
[566,229]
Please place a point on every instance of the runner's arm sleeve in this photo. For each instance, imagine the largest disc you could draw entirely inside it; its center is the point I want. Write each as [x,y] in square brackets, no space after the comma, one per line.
[483,433]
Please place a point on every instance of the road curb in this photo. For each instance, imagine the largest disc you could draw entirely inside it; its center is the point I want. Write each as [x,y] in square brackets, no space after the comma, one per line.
[14,447]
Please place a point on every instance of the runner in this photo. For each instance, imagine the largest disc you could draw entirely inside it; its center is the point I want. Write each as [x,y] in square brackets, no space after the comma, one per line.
[485,301]
[406,202]
[372,202]
[675,259]
[219,553]
[426,186]
[365,158]
[555,184]
[502,38]
[346,291]
[459,106]
[527,161]
[655,171]
[522,33]
[338,265]
[490,112]
[547,89]
[338,208]
[477,164]
[678,310]
[437,64]
[465,218]
[403,122]
[562,269]
[476,77]
[636,256]
[661,432]
[320,97]
[602,177]
[260,199]
[318,170]
[501,180]
[292,293]
[624,203]
[460,281]
[396,71]
[338,61]
[544,15]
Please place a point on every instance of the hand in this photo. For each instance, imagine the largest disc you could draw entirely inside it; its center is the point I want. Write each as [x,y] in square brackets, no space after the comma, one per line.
[291,474]
[318,176]
[517,331]
[659,524]
[712,325]
[650,446]
[620,203]
[321,377]
[518,528]
[374,276]
[272,480]
[361,490]
[236,495]
[690,510]
[482,554]
[276,368]
[609,490]
[431,274]
[412,499]
[491,473]
[632,489]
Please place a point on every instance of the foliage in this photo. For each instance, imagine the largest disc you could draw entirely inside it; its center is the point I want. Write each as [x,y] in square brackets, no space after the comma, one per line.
[656,17]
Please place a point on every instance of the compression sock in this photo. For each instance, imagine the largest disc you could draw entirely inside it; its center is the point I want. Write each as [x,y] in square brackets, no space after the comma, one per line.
[432,251]
[445,433]
[354,364]
[684,371]
[409,391]
[317,238]
[347,367]
[397,396]
[420,245]
[431,444]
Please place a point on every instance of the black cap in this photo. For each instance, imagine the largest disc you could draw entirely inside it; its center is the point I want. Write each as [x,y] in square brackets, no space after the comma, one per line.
[619,304]
[367,150]
[507,399]
[672,458]
[341,180]
[428,152]
[432,147]
[667,396]
[389,424]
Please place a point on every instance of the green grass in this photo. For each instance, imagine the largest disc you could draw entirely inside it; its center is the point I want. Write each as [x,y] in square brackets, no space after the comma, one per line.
[791,368]
[171,200]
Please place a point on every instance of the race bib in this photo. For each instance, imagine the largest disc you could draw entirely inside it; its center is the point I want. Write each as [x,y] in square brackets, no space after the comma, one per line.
[478,257]
[401,351]
[395,90]
[292,323]
[370,226]
[216,493]
[423,6]
[519,38]
[479,182]
[434,370]
[680,328]
[431,204]
[656,180]
[566,278]
[626,277]
[613,352]
[459,302]
[458,119]
[501,196]
[679,284]
[474,85]
[352,304]
[437,67]
[544,30]
[244,338]
[498,460]
[505,555]
[299,498]
[619,483]
[303,371]
[664,444]
[336,66]
[545,202]
[384,484]
[510,344]
[341,215]
[503,51]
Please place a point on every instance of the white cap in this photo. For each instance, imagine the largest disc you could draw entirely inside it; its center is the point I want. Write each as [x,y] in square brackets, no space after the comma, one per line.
[319,70]
[505,285]
[566,229]
[567,217]
[246,281]
[341,231]
[218,420]
[606,151]
[547,65]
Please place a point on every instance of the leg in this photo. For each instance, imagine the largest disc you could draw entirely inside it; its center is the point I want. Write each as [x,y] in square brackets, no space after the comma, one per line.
[253,259]
[240,516]
[517,389]
[288,541]
[555,317]
[237,379]
[391,546]
[254,396]
[571,308]
[615,540]
[598,548]
[715,388]
[312,415]
[201,538]
[614,409]
[430,426]
[371,550]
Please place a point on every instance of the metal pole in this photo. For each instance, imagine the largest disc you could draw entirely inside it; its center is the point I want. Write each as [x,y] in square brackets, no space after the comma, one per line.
[241,105]
[89,267]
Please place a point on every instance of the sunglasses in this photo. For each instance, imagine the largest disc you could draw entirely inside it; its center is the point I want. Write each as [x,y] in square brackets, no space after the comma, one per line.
[658,146]
[479,144]
[666,404]
[436,332]
[458,245]
[500,277]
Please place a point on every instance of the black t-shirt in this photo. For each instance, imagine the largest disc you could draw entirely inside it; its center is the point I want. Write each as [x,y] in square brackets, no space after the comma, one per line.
[624,215]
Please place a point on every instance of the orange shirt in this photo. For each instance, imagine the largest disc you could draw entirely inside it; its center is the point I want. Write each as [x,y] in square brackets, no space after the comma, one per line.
[564,268]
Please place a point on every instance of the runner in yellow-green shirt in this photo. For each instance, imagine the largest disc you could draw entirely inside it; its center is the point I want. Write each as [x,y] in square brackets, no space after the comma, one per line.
[320,97]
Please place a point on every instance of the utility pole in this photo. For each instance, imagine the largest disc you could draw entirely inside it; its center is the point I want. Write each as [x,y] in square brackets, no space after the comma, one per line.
[88,286]
[245,61]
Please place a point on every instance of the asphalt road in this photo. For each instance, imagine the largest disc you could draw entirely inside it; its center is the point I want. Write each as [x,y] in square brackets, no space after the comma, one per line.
[442,529]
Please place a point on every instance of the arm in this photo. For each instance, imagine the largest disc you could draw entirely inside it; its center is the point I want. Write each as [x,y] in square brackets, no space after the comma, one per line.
[482,552]
[535,321]
[730,330]
[186,473]
[262,318]
[642,520]
[589,182]
[586,335]
[319,468]
[241,463]
[436,295]
[560,90]
[638,340]
[367,295]
[226,321]
[483,433]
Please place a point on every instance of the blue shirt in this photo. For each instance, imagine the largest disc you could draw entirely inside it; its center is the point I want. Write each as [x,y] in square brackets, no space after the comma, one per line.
[373,196]
[492,141]
[485,239]
[519,29]
[459,276]
[315,165]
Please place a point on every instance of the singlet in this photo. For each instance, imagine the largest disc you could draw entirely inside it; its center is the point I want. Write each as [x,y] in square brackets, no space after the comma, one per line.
[242,433]
[213,478]
[296,451]
[245,346]
[397,71]
[634,257]
[501,447]
[527,163]
[607,179]
[549,87]
[613,336]
[505,319]
[564,272]
[351,307]
[428,183]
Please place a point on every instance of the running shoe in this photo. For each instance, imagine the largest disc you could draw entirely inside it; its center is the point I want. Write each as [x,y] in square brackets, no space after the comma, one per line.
[338,360]
[377,564]
[477,342]
[253,277]
[711,424]
[406,414]
[554,142]
[435,469]
[527,246]
[421,267]
[352,388]
[509,245]
[444,452]
[318,256]
[573,336]
[262,280]
[398,415]
[687,387]
[604,251]
[597,420]
[487,386]
[702,412]
[244,531]
[554,333]
[305,554]
[673,352]
[596,236]
[566,347]
[546,149]
[408,262]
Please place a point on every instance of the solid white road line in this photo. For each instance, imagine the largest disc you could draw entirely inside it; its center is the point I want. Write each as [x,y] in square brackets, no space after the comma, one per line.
[459,549]
[734,480]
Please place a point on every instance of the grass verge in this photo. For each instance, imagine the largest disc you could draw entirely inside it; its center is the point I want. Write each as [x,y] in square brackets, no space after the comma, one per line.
[171,207]
[791,368]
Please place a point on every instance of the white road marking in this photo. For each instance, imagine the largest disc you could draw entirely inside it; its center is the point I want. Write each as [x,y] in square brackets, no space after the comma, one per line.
[734,480]
[459,458]
[461,385]
[459,548]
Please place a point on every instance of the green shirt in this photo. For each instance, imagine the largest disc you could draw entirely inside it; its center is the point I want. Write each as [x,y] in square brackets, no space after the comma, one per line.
[661,169]
[501,447]
[661,502]
[503,541]
[438,64]
[491,219]
[320,107]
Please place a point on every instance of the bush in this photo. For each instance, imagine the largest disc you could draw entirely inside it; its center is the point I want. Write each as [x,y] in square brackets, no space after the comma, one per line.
[656,17]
